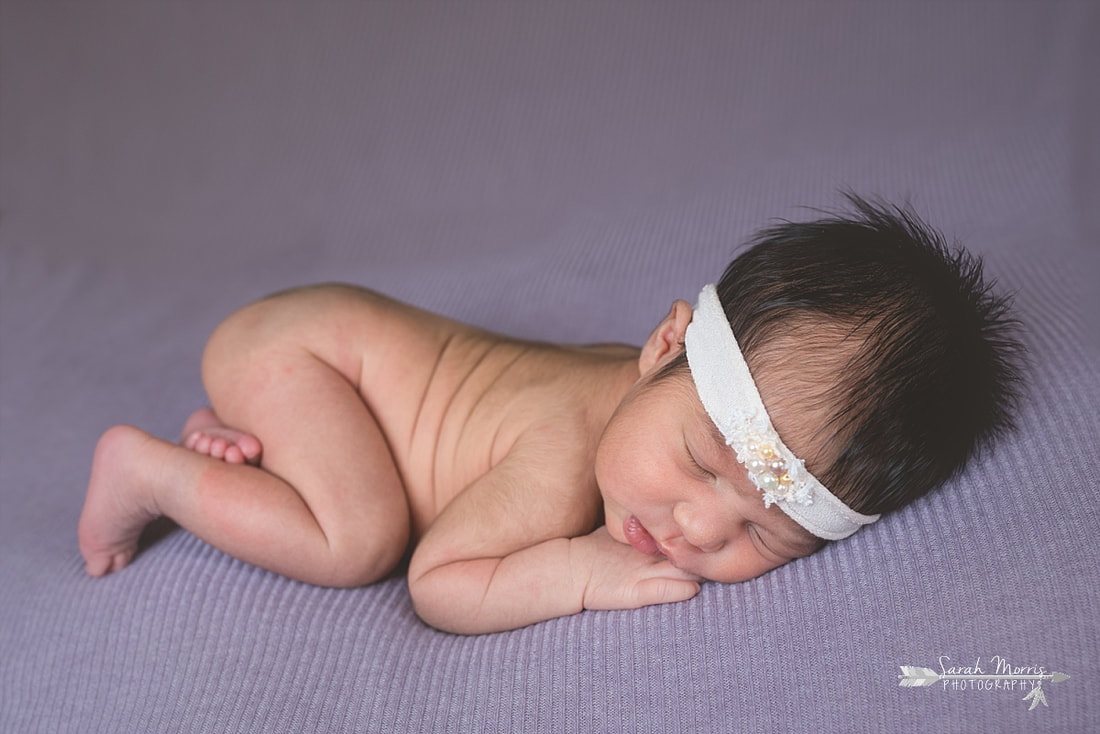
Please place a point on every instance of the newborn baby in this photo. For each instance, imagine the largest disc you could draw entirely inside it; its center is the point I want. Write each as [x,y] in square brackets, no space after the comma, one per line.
[840,369]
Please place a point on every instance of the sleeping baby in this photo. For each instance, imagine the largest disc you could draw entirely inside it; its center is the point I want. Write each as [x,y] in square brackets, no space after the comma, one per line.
[840,369]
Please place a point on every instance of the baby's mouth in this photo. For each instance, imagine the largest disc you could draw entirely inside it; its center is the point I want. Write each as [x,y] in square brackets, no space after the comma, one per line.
[638,537]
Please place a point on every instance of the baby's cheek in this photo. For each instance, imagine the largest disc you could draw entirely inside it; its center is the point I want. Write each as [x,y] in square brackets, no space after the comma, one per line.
[613,476]
[739,564]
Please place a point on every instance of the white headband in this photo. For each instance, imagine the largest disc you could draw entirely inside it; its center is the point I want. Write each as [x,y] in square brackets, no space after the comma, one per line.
[728,393]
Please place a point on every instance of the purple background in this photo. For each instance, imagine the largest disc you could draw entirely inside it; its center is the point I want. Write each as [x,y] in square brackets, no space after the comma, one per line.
[554,170]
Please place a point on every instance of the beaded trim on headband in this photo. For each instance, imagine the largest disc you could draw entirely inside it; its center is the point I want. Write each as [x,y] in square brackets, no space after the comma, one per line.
[730,397]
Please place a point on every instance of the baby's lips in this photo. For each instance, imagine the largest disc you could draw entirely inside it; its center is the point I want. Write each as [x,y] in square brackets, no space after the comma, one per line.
[638,537]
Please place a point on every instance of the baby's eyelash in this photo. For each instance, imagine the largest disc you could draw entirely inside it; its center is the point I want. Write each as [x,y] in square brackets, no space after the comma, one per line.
[758,536]
[696,464]
[759,539]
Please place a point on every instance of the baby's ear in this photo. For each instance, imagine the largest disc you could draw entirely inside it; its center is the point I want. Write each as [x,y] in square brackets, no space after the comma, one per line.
[667,338]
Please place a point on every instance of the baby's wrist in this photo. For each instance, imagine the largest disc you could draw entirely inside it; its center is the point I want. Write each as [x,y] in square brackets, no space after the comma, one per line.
[582,559]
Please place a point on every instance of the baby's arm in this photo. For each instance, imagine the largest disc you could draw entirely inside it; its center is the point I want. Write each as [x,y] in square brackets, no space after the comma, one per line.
[496,558]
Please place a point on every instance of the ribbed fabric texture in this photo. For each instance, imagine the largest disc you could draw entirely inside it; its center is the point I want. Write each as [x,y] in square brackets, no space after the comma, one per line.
[554,170]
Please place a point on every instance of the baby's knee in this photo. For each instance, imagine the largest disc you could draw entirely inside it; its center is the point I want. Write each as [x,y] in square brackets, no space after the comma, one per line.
[360,564]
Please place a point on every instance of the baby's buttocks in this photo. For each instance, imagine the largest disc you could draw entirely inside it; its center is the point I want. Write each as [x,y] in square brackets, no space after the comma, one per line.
[451,400]
[434,386]
[421,376]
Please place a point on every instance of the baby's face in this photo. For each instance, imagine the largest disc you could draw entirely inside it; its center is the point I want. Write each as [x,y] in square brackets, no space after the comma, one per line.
[671,485]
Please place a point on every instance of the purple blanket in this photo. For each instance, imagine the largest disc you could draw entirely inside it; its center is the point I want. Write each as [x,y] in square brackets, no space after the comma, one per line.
[552,170]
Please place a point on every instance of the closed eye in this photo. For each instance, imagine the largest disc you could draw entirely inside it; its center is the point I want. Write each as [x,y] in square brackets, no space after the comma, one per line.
[762,546]
[697,468]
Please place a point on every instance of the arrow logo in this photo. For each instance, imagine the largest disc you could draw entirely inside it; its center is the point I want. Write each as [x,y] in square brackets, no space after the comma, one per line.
[913,676]
[1037,697]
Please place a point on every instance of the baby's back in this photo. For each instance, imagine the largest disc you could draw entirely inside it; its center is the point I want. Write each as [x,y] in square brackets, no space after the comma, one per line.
[450,398]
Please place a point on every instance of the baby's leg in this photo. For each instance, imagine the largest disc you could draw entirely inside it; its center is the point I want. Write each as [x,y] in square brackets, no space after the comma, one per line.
[205,433]
[328,507]
[129,473]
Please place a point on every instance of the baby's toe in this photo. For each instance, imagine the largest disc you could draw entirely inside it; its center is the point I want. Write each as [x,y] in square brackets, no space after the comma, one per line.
[120,560]
[202,444]
[250,447]
[97,565]
[218,447]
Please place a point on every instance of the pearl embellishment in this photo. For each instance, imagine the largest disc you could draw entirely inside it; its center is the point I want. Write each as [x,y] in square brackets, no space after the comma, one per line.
[771,473]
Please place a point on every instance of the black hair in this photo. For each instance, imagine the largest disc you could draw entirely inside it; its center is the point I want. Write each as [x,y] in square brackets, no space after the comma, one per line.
[890,334]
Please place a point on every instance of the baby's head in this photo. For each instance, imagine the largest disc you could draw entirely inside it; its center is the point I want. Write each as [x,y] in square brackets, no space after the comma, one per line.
[880,355]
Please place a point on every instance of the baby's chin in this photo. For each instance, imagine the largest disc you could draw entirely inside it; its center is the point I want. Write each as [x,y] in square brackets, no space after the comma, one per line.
[612,513]
[614,522]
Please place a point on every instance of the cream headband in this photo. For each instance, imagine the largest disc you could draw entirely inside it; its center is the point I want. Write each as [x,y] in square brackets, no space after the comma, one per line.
[728,393]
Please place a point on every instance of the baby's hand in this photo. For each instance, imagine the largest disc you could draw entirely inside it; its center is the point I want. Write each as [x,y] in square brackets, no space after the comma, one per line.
[619,577]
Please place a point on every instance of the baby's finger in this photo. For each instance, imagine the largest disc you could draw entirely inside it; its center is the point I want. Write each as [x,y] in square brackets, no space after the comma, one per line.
[665,569]
[664,591]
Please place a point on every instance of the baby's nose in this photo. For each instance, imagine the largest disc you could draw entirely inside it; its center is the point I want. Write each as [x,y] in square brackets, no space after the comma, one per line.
[704,529]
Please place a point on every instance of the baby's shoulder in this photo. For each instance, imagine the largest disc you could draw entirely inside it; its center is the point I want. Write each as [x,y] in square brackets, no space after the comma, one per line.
[560,398]
[531,415]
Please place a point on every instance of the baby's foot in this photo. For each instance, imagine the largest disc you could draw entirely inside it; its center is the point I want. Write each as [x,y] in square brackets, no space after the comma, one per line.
[117,507]
[204,433]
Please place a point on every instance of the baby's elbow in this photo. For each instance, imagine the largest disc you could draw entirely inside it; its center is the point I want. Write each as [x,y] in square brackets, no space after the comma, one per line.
[439,606]
[454,597]
[425,604]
